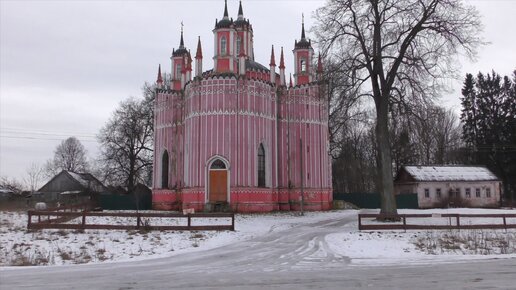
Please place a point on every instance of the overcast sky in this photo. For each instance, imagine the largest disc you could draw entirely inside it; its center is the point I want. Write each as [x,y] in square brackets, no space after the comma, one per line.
[65,65]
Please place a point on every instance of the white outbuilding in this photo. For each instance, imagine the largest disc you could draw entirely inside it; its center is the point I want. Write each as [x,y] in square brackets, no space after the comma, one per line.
[449,185]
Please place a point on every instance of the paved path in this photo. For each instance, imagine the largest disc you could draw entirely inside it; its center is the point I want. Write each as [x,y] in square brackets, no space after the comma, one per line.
[292,259]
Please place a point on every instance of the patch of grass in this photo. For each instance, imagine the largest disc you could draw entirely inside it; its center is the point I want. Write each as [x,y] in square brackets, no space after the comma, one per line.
[468,242]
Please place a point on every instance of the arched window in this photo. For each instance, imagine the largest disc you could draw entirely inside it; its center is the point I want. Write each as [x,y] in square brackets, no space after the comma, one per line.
[261,166]
[223,45]
[164,170]
[178,71]
[218,164]
[238,43]
[303,65]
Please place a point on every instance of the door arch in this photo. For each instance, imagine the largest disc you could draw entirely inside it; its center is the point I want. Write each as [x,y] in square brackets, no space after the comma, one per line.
[218,180]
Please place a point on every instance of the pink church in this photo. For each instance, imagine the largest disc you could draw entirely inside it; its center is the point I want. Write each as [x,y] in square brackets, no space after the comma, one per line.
[237,137]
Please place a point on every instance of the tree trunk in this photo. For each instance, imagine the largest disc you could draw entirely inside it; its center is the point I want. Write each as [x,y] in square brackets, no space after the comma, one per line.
[384,158]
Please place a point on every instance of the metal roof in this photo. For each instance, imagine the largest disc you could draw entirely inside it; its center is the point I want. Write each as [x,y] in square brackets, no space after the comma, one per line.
[450,173]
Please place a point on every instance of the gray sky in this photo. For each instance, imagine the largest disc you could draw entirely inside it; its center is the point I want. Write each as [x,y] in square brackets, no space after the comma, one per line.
[65,65]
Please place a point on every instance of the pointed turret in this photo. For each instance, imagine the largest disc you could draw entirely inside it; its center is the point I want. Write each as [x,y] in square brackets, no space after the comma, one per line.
[272,65]
[282,60]
[198,59]
[282,68]
[303,28]
[273,62]
[226,16]
[159,81]
[290,80]
[240,12]
[303,42]
[181,42]
[225,22]
[198,54]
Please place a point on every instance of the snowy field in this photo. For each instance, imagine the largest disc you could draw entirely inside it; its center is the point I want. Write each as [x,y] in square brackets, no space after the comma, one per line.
[20,247]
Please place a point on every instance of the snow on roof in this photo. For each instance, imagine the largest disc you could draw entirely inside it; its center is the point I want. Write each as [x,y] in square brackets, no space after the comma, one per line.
[450,173]
[80,178]
[87,180]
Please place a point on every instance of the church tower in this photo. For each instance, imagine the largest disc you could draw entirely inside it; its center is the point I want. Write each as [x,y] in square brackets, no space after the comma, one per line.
[224,35]
[303,56]
[179,60]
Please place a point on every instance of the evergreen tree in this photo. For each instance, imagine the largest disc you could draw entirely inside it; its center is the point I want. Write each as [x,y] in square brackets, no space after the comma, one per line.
[489,130]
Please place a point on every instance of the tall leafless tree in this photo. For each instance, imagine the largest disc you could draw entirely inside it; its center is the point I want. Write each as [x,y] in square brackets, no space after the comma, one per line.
[34,177]
[70,155]
[396,51]
[126,143]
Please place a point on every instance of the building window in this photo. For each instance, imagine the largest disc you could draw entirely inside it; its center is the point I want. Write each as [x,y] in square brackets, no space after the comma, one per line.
[427,193]
[468,192]
[218,164]
[238,44]
[477,192]
[450,193]
[438,193]
[164,170]
[488,192]
[178,71]
[261,166]
[303,65]
[457,192]
[223,45]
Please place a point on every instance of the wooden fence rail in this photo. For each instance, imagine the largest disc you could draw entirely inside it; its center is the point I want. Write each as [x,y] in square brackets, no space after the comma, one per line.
[57,223]
[454,222]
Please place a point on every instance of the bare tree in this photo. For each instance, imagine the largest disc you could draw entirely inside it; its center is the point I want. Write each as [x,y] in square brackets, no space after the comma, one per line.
[11,184]
[70,155]
[396,51]
[34,177]
[126,143]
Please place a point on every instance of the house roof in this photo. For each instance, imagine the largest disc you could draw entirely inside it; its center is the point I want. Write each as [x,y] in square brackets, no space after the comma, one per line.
[450,173]
[85,180]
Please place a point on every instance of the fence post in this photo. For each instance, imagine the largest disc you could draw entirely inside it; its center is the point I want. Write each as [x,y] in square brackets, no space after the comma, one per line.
[404,223]
[233,221]
[39,218]
[29,222]
[458,221]
[138,221]
[83,219]
[189,221]
[359,222]
[504,223]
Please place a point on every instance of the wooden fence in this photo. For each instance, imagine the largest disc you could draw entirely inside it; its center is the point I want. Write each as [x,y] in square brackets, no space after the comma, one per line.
[44,221]
[454,222]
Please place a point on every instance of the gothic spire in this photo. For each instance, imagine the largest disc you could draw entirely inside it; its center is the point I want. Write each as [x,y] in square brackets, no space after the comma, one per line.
[290,80]
[181,42]
[240,11]
[160,79]
[282,61]
[198,54]
[226,16]
[303,28]
[273,62]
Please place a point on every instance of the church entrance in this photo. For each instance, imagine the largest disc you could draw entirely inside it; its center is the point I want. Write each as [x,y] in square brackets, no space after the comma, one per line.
[218,183]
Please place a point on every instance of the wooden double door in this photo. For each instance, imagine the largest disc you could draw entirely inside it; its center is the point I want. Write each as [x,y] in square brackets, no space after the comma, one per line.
[218,187]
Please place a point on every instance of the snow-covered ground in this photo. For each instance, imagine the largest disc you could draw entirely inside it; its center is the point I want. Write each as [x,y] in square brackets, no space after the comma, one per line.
[61,247]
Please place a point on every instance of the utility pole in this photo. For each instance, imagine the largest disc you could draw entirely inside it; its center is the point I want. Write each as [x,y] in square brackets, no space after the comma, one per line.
[302,186]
